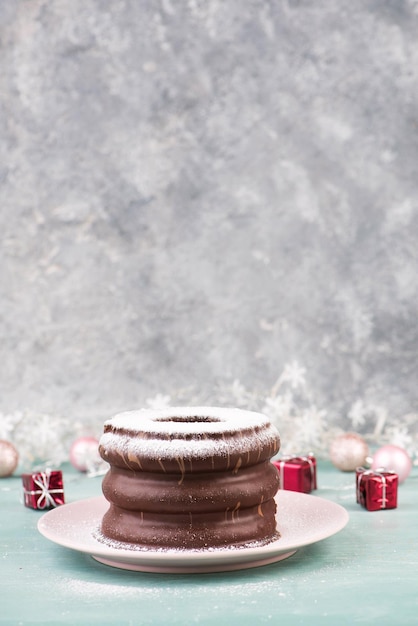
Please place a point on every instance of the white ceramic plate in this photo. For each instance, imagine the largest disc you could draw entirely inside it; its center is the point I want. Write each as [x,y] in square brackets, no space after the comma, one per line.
[302,519]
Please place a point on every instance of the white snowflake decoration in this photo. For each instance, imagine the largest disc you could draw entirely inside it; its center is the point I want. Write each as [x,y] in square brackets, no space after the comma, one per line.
[357,414]
[293,374]
[44,440]
[158,402]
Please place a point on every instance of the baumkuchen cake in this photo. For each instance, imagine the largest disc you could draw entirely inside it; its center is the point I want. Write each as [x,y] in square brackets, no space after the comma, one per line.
[190,478]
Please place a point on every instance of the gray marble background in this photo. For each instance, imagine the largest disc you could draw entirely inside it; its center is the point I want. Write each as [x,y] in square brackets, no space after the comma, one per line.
[199,192]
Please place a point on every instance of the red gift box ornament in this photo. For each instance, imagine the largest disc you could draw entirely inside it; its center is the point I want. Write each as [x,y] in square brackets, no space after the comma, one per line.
[43,490]
[376,489]
[297,473]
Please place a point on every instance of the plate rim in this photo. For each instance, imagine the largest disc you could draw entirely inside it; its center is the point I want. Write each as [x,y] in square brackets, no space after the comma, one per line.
[182,559]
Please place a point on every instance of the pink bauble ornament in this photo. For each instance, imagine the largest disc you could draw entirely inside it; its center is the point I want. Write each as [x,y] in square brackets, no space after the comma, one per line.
[9,458]
[393,458]
[84,453]
[348,451]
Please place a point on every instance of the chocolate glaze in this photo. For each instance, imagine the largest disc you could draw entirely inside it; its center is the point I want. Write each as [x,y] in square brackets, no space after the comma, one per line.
[200,492]
[227,456]
[194,530]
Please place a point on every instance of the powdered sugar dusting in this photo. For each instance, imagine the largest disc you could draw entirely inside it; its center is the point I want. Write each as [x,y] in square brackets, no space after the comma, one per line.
[188,420]
[184,432]
[128,447]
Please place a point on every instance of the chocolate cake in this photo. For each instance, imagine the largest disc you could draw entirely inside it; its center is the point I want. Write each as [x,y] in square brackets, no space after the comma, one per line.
[190,478]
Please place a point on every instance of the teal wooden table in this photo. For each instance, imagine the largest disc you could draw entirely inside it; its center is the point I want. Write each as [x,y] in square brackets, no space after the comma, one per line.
[367,573]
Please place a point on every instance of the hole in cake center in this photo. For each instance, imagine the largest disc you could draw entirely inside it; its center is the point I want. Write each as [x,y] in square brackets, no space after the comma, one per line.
[191,419]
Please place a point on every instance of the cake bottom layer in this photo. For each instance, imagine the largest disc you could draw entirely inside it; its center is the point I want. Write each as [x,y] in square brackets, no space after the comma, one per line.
[192,531]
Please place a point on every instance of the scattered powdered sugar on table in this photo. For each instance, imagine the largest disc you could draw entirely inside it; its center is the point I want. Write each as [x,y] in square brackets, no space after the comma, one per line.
[87,588]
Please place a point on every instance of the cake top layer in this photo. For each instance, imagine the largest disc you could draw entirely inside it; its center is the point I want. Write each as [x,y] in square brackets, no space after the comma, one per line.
[186,433]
